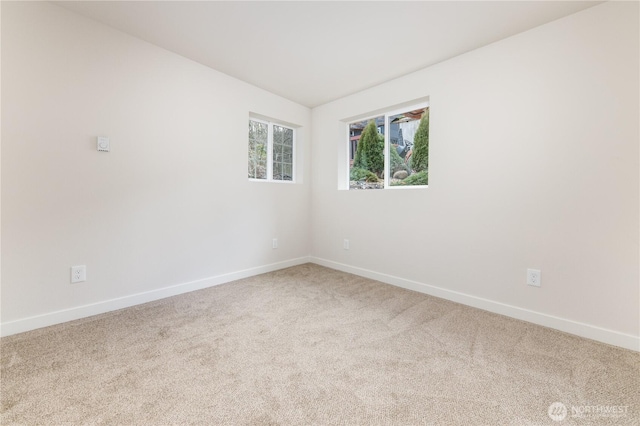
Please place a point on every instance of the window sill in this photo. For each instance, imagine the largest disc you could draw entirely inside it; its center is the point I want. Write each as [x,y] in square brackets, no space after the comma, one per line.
[287,182]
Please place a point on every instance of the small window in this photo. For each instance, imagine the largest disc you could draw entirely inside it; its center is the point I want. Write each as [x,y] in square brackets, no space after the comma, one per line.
[390,150]
[271,151]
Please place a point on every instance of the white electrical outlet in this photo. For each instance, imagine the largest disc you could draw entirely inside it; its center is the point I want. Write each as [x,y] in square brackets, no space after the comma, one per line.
[78,273]
[103,144]
[533,277]
[345,244]
[274,243]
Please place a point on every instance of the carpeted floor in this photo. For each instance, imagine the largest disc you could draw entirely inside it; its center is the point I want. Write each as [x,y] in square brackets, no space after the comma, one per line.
[312,346]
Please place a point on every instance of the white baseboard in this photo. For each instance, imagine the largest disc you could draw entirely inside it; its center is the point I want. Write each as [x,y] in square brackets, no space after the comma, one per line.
[573,327]
[57,317]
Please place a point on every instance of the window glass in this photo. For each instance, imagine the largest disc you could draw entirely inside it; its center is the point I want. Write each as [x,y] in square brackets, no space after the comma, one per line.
[282,153]
[271,151]
[366,163]
[390,150]
[258,134]
[408,148]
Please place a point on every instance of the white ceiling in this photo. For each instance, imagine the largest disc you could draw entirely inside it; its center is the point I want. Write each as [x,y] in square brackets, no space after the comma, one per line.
[315,52]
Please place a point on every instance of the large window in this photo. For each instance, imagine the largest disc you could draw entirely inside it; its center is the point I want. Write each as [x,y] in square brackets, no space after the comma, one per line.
[390,150]
[271,151]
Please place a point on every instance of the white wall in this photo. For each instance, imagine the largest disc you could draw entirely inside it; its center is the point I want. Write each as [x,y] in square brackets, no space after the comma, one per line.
[533,163]
[170,204]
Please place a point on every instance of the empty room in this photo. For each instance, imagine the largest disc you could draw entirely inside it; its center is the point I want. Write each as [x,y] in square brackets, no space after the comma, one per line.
[320,213]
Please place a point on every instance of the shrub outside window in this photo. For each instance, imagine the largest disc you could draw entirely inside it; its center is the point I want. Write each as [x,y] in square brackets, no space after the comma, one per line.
[390,150]
[271,151]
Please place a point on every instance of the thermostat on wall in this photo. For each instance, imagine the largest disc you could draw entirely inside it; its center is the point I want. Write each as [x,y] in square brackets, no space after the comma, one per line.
[103,144]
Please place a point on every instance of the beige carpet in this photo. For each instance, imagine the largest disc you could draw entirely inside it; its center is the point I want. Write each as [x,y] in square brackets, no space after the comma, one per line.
[311,346]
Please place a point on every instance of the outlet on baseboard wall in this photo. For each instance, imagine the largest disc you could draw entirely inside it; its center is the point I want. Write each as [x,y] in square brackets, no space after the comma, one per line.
[345,244]
[274,243]
[533,277]
[78,273]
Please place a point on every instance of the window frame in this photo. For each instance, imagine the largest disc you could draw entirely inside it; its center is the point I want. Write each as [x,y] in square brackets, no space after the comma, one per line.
[270,148]
[386,114]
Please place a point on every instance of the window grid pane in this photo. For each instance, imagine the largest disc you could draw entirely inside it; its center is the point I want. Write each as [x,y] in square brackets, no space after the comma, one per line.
[366,164]
[258,140]
[408,147]
[282,153]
